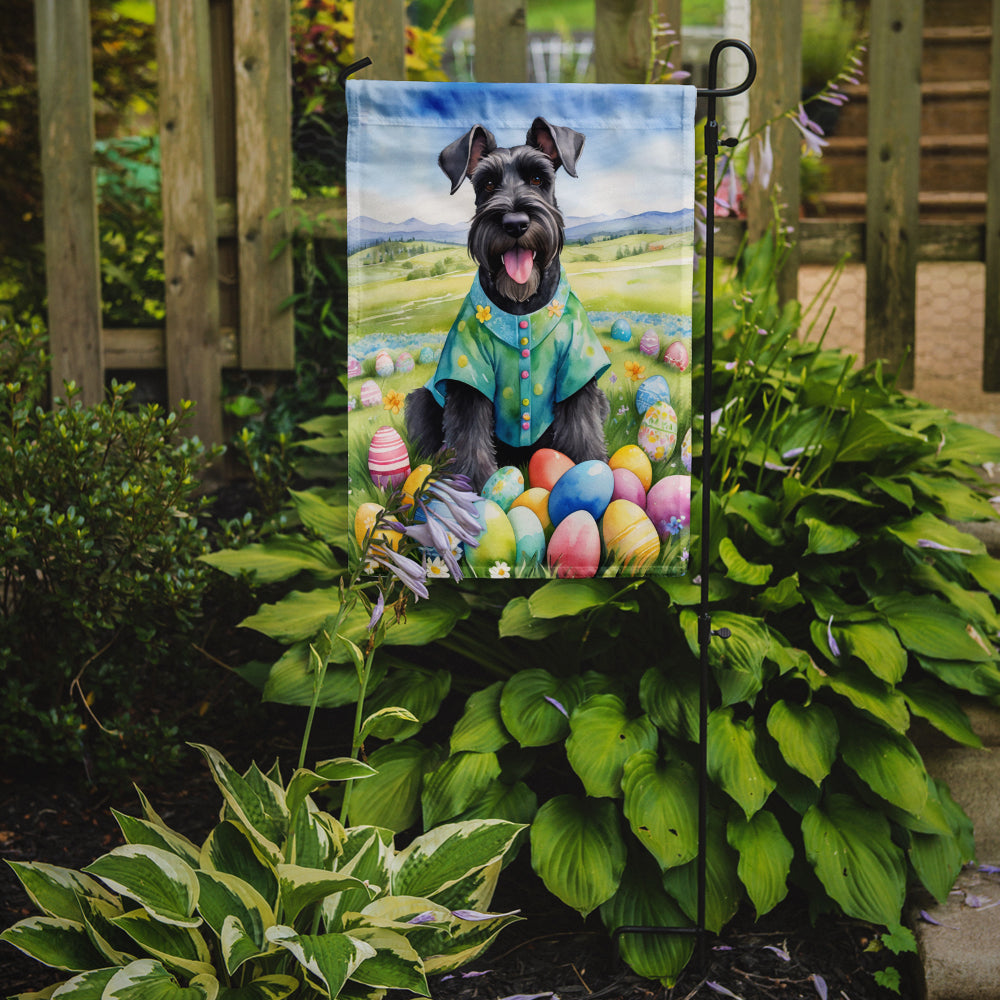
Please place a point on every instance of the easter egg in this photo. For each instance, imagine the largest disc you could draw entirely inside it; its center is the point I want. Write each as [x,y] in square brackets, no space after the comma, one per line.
[621,329]
[412,484]
[658,431]
[504,486]
[649,343]
[629,535]
[633,458]
[668,505]
[384,366]
[388,461]
[537,501]
[405,362]
[364,521]
[371,394]
[628,487]
[426,356]
[651,390]
[587,486]
[353,367]
[677,355]
[529,538]
[575,546]
[686,450]
[496,539]
[546,466]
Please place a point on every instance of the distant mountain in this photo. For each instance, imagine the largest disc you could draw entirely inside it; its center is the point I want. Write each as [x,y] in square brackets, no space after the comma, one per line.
[365,232]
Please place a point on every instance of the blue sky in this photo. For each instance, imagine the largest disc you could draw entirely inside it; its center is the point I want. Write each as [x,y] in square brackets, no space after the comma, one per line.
[638,155]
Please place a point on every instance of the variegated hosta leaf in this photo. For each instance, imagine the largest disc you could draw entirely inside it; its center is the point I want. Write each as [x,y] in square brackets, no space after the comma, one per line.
[467,940]
[177,947]
[481,727]
[888,763]
[441,857]
[158,880]
[807,736]
[732,760]
[315,838]
[476,890]
[329,959]
[147,979]
[602,737]
[642,902]
[141,831]
[391,799]
[535,706]
[367,853]
[230,849]
[456,784]
[850,847]
[301,887]
[578,851]
[86,986]
[56,891]
[116,947]
[395,964]
[256,801]
[661,799]
[54,941]
[765,858]
[225,897]
[304,782]
[274,987]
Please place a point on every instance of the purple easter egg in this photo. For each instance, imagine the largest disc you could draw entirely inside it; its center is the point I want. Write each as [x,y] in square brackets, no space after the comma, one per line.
[649,343]
[668,505]
[628,487]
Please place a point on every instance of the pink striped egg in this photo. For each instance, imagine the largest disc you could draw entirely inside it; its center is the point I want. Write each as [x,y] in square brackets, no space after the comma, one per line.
[353,367]
[388,462]
[371,394]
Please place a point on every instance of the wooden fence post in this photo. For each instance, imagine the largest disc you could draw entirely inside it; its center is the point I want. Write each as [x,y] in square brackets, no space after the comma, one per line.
[380,34]
[623,37]
[776,34]
[262,61]
[893,183]
[72,255]
[501,41]
[991,331]
[190,251]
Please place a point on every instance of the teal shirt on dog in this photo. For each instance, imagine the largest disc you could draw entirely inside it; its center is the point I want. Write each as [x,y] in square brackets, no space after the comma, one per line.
[525,364]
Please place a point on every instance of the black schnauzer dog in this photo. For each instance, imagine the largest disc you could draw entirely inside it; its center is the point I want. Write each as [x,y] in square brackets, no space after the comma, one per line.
[519,368]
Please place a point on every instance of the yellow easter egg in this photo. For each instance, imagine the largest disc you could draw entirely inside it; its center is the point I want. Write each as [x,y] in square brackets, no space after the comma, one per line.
[633,458]
[629,536]
[364,521]
[412,484]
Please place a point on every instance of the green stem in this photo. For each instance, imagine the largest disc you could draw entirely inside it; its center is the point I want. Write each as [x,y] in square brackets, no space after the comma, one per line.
[356,738]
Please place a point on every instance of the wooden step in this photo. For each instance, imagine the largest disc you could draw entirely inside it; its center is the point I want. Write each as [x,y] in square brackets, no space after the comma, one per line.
[956,53]
[958,206]
[945,12]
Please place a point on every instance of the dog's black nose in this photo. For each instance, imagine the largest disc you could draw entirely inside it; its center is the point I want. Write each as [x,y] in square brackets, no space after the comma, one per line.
[515,223]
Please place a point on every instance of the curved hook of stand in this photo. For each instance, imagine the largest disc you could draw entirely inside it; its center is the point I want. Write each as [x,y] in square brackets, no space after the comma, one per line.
[353,68]
[713,69]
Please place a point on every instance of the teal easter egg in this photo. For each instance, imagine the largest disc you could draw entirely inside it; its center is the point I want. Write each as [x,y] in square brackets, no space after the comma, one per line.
[384,365]
[529,536]
[651,390]
[496,541]
[621,329]
[658,431]
[587,486]
[504,486]
[575,546]
[426,356]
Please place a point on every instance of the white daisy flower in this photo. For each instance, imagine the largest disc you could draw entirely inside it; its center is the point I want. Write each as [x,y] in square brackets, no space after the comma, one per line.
[370,567]
[437,570]
[499,571]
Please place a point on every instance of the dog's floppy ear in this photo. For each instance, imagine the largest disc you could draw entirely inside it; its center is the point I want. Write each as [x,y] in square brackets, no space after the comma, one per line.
[459,159]
[560,144]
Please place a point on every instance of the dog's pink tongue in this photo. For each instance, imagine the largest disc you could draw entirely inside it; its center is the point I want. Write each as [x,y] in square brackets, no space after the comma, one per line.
[518,263]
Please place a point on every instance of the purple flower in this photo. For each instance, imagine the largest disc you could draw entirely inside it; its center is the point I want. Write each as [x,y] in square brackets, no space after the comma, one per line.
[475,915]
[719,988]
[811,132]
[761,163]
[409,573]
[820,983]
[834,648]
[427,917]
[552,701]
[780,952]
[377,612]
[927,543]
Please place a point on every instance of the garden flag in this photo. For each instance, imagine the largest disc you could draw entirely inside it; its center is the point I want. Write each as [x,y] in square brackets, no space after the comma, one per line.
[520,272]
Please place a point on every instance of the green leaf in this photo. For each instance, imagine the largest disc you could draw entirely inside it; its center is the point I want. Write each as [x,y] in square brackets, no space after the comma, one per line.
[894,489]
[956,500]
[56,891]
[331,959]
[937,860]
[807,736]
[560,598]
[481,728]
[976,678]
[281,557]
[163,884]
[275,987]
[456,784]
[661,798]
[440,858]
[391,798]
[741,571]
[577,850]
[876,646]
[225,897]
[866,692]
[527,711]
[986,571]
[765,858]
[181,948]
[292,681]
[601,739]
[732,760]
[671,699]
[758,511]
[941,709]
[640,901]
[888,763]
[516,803]
[141,831]
[230,849]
[932,628]
[870,436]
[738,661]
[147,979]
[54,941]
[301,887]
[385,723]
[828,539]
[928,528]
[418,690]
[517,621]
[783,595]
[320,517]
[395,964]
[850,848]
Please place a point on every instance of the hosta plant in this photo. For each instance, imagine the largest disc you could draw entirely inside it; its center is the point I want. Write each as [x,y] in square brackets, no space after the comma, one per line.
[279,900]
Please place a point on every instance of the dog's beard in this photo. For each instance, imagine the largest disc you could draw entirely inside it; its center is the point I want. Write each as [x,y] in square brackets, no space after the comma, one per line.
[516,266]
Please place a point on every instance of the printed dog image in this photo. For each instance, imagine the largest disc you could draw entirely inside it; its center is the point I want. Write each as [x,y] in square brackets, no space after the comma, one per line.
[519,367]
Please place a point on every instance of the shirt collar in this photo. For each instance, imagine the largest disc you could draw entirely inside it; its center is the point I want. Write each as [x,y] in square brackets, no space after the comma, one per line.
[506,326]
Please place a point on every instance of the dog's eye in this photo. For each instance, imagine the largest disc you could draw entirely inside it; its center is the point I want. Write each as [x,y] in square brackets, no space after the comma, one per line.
[535,180]
[489,187]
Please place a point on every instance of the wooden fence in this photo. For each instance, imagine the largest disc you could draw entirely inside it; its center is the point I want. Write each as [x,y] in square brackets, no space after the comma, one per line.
[226,162]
